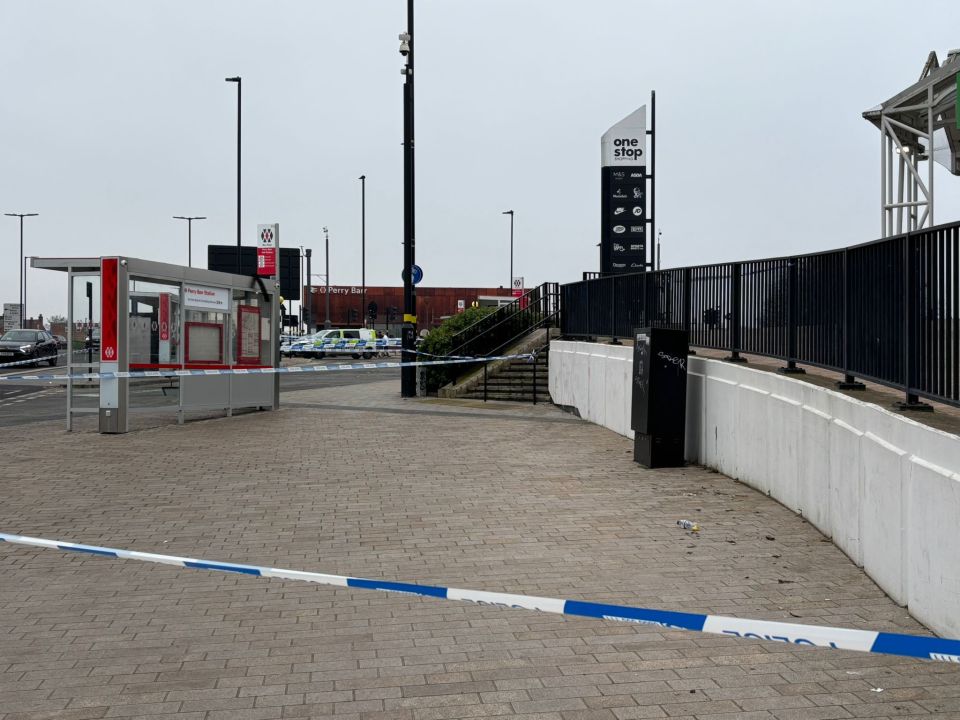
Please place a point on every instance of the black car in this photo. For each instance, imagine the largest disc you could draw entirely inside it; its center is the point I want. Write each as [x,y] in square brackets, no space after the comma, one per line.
[36,345]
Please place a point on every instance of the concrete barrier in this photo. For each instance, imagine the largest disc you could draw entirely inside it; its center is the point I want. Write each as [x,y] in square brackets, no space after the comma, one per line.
[884,488]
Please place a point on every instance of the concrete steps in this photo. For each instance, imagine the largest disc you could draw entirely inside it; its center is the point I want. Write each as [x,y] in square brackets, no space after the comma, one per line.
[515,382]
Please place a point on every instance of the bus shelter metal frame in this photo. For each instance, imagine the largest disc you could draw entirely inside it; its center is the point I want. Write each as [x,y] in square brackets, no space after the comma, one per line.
[255,390]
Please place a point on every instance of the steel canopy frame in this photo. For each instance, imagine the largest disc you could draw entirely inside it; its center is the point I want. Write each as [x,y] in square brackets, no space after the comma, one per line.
[909,124]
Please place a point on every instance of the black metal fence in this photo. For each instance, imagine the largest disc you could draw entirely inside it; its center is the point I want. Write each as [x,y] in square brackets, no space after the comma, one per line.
[886,311]
[537,308]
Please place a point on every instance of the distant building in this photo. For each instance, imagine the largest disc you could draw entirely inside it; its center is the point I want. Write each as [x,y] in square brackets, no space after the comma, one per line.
[433,305]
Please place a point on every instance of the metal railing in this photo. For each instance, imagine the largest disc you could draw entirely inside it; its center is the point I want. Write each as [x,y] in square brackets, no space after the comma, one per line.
[886,311]
[538,308]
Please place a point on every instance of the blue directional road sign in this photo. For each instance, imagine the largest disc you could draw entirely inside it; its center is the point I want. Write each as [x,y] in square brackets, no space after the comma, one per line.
[416,274]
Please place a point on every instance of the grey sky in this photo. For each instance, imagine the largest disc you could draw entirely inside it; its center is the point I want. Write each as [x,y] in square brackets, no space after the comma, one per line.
[114,116]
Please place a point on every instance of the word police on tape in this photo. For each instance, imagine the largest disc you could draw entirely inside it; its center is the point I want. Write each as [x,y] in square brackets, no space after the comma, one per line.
[916,646]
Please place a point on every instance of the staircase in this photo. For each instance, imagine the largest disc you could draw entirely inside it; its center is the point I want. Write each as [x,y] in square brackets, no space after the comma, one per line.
[517,380]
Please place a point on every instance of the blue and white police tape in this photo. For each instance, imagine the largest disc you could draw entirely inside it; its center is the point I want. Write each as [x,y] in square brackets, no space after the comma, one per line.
[914,646]
[173,373]
[37,361]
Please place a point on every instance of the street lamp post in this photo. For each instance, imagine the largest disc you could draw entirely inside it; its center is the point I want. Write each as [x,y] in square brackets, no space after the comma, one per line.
[363,247]
[189,220]
[408,374]
[510,213]
[308,315]
[326,299]
[239,86]
[23,300]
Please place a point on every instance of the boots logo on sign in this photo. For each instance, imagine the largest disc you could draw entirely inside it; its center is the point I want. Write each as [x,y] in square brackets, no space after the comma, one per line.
[618,229]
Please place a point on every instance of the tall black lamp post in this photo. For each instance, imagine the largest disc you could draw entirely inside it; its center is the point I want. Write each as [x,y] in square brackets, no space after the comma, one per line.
[326,297]
[510,213]
[363,246]
[189,220]
[23,299]
[408,374]
[239,87]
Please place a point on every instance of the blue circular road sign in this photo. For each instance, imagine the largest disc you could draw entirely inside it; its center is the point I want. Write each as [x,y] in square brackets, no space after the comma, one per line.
[416,274]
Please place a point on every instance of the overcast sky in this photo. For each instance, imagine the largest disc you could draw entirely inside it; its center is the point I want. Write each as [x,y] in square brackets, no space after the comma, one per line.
[114,116]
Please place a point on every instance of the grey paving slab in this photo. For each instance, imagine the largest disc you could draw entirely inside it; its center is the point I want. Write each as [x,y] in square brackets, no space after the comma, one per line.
[353,480]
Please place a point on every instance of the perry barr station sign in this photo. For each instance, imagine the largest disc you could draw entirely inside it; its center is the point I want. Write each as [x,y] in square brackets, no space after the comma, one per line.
[268,240]
[623,187]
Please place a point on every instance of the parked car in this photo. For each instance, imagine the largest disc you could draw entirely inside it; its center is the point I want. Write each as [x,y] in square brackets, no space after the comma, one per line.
[20,345]
[61,342]
[92,341]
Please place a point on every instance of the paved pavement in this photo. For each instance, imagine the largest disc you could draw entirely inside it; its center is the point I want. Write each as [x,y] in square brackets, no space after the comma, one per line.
[353,480]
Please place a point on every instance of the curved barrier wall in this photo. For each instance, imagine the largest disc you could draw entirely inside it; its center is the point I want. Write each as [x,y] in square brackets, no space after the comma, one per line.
[884,488]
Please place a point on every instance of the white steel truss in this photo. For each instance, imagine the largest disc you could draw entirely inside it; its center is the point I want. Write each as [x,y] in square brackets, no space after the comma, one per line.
[918,127]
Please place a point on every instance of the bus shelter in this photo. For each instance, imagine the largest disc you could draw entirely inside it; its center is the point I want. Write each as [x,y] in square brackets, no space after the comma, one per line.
[127,314]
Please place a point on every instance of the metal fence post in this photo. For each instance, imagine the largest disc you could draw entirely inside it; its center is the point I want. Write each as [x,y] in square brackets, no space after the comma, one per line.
[688,305]
[793,292]
[910,316]
[849,381]
[613,311]
[735,313]
[484,381]
[534,378]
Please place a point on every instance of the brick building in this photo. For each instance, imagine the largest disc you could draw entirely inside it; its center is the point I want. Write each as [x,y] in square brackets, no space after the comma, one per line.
[433,304]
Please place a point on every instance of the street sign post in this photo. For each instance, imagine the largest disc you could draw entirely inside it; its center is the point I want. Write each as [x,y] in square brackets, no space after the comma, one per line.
[517,286]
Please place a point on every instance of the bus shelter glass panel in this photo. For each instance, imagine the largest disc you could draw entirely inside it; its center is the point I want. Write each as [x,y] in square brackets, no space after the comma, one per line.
[250,328]
[84,341]
[154,342]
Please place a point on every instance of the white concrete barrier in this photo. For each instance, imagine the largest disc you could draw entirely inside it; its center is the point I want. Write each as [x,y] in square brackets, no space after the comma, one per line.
[884,488]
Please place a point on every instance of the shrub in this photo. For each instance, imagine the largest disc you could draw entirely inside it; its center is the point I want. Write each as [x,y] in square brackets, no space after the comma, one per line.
[440,342]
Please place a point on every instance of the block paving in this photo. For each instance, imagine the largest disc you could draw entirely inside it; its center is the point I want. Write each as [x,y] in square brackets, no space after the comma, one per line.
[355,481]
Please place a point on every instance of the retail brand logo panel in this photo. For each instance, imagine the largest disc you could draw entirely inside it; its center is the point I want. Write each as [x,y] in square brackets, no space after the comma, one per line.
[623,182]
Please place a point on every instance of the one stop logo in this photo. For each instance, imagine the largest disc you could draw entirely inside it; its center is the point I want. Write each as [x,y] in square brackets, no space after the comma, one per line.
[629,148]
[266,235]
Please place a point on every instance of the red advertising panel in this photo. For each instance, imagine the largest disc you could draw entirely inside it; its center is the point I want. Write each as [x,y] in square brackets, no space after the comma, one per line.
[109,268]
[164,316]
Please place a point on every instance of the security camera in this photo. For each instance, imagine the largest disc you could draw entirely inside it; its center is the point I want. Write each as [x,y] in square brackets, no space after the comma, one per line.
[404,44]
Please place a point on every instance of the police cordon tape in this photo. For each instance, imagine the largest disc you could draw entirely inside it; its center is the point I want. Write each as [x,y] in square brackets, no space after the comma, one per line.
[886,643]
[173,373]
[35,361]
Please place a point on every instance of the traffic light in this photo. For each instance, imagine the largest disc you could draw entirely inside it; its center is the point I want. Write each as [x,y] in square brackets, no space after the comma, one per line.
[372,311]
